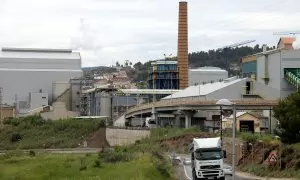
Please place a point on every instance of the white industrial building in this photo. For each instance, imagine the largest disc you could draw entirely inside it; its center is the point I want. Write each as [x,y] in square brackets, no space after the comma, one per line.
[230,88]
[271,82]
[27,75]
[206,75]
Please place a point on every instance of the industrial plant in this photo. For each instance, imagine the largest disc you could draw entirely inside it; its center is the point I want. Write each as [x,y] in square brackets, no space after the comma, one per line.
[51,82]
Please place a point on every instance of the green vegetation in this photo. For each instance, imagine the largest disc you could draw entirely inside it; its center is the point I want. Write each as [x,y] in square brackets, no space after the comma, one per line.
[254,138]
[75,166]
[143,160]
[288,113]
[265,171]
[34,132]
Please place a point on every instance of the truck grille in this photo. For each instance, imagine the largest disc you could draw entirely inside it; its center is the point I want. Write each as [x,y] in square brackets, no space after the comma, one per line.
[210,167]
[210,172]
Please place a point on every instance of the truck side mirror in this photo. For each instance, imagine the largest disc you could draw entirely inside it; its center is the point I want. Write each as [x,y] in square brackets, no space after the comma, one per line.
[224,154]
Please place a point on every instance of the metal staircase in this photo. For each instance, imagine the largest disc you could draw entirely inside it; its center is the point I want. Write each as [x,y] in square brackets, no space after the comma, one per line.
[292,75]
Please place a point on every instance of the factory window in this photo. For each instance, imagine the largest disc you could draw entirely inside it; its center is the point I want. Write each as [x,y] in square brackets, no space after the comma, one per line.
[44,97]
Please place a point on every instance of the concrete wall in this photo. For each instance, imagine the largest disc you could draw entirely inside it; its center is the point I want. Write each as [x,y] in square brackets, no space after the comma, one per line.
[124,136]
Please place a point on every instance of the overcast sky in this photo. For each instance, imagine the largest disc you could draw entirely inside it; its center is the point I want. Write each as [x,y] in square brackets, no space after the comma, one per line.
[106,31]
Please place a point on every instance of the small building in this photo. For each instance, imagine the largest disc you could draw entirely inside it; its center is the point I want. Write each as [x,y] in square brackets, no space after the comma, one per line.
[7,111]
[246,122]
[206,75]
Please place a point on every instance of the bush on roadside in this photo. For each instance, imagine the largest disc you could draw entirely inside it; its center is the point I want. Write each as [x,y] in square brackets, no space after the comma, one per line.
[15,137]
[250,137]
[120,154]
[161,164]
[97,163]
[83,165]
[31,153]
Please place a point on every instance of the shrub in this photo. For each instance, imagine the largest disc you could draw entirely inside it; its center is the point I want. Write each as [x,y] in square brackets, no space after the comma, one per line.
[97,163]
[31,153]
[120,154]
[15,137]
[161,164]
[82,164]
[249,137]
[101,124]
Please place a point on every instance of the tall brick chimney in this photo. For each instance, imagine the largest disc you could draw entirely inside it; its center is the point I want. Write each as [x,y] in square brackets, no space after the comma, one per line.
[182,49]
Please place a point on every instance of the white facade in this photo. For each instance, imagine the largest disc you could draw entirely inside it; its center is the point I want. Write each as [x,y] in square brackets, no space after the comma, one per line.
[30,71]
[206,74]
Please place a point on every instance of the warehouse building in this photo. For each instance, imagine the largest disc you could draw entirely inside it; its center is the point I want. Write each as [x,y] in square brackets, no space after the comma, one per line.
[27,75]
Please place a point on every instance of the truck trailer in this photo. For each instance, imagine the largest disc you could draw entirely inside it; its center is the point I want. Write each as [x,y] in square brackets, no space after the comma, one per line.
[207,158]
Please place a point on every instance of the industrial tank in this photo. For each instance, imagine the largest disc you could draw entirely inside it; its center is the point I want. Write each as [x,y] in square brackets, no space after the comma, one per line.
[105,104]
[206,74]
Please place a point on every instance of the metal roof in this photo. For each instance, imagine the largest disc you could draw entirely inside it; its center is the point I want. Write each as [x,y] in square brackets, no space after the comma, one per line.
[204,89]
[149,91]
[138,91]
[163,62]
[10,49]
[207,68]
[27,53]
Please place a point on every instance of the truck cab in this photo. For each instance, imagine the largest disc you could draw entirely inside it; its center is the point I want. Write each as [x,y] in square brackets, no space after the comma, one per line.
[207,158]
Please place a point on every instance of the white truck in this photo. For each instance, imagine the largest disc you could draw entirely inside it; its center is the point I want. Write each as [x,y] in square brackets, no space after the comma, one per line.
[207,158]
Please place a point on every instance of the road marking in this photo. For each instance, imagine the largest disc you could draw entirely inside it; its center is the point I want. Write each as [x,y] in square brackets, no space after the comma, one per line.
[186,173]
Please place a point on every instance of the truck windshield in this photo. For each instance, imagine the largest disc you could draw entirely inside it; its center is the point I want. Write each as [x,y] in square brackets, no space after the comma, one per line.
[209,155]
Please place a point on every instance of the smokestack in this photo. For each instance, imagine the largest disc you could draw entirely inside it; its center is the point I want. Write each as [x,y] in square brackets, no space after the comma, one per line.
[182,49]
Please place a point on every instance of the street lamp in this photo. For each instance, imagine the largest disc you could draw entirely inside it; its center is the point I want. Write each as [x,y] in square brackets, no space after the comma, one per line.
[226,102]
[277,137]
[222,102]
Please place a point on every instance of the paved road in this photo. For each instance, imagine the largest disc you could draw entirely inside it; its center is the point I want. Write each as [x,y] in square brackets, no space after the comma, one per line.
[188,170]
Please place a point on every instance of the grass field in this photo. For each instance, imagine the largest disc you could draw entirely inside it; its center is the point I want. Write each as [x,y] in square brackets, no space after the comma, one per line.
[67,166]
[34,132]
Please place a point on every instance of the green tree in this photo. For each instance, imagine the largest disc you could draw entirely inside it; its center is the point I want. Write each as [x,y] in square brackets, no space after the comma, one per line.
[117,64]
[288,114]
[126,63]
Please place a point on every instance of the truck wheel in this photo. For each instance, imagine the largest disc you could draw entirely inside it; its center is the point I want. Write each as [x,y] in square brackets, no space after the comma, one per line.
[194,175]
[222,178]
